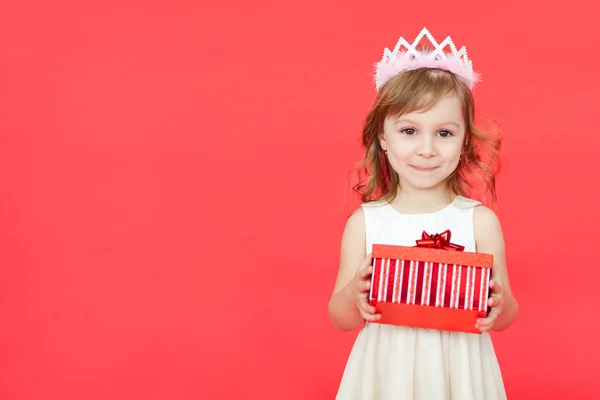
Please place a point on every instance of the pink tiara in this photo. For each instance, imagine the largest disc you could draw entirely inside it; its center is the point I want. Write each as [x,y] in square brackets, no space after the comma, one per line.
[396,61]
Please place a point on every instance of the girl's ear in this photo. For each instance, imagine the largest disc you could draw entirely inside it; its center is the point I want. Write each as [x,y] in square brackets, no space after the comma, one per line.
[382,141]
[465,145]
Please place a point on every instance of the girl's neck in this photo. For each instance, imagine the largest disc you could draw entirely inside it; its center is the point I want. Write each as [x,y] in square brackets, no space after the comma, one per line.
[422,200]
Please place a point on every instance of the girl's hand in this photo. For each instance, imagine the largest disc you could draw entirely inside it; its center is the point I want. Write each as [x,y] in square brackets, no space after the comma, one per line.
[362,285]
[495,302]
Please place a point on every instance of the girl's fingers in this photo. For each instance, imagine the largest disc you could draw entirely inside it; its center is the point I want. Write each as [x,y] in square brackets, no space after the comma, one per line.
[365,272]
[365,286]
[495,287]
[364,306]
[484,324]
[370,316]
[494,301]
[367,310]
[487,322]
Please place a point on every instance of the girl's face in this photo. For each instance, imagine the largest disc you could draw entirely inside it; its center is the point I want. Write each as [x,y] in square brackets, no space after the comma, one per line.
[424,148]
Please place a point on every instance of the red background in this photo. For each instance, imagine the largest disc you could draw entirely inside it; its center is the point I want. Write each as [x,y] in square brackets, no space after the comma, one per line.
[174,188]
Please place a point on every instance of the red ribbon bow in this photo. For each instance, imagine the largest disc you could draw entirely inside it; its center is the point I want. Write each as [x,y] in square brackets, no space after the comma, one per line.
[438,241]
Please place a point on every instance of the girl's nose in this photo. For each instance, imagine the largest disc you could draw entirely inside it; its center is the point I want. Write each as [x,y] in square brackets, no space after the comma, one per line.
[426,147]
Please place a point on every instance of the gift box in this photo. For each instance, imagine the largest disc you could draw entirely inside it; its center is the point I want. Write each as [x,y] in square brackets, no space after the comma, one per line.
[435,284]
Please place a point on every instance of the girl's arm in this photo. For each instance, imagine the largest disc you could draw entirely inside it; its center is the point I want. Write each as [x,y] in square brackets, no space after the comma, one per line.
[490,239]
[343,309]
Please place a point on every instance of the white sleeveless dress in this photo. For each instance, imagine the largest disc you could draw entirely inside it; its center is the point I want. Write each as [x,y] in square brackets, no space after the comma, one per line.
[402,363]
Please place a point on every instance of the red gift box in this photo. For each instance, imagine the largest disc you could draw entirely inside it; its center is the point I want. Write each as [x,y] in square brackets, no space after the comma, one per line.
[435,284]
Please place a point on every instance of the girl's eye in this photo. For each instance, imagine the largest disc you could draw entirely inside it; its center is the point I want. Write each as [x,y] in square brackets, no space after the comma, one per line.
[445,134]
[408,131]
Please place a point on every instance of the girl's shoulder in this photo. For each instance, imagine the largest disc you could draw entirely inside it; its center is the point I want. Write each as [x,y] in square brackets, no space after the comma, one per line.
[374,204]
[482,215]
[463,202]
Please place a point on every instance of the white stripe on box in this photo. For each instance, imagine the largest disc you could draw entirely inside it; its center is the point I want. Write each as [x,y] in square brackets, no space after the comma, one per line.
[472,288]
[429,280]
[401,279]
[487,287]
[438,288]
[410,273]
[444,285]
[423,284]
[467,288]
[374,265]
[458,289]
[481,286]
[387,278]
[380,279]
[452,294]
[395,282]
[415,276]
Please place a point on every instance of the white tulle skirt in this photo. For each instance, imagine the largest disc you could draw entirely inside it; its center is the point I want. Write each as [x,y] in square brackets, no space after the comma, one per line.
[394,362]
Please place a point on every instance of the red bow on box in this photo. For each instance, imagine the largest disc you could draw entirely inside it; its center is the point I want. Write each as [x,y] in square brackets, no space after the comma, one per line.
[438,241]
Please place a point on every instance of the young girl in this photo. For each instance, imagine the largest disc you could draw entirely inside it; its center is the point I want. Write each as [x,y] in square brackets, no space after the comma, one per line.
[421,145]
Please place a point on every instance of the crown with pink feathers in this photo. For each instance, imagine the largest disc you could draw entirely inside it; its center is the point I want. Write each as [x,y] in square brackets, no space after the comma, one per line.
[409,58]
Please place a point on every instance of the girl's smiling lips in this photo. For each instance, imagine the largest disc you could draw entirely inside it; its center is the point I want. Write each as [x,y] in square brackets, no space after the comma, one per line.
[422,169]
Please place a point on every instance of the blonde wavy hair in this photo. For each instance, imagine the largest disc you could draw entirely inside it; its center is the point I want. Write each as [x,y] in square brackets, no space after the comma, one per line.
[419,90]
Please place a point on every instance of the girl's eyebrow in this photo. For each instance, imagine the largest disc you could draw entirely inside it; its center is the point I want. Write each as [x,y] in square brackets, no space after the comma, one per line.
[402,119]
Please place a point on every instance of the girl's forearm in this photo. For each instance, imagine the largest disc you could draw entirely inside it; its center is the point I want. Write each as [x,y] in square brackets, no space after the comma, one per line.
[343,312]
[509,313]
